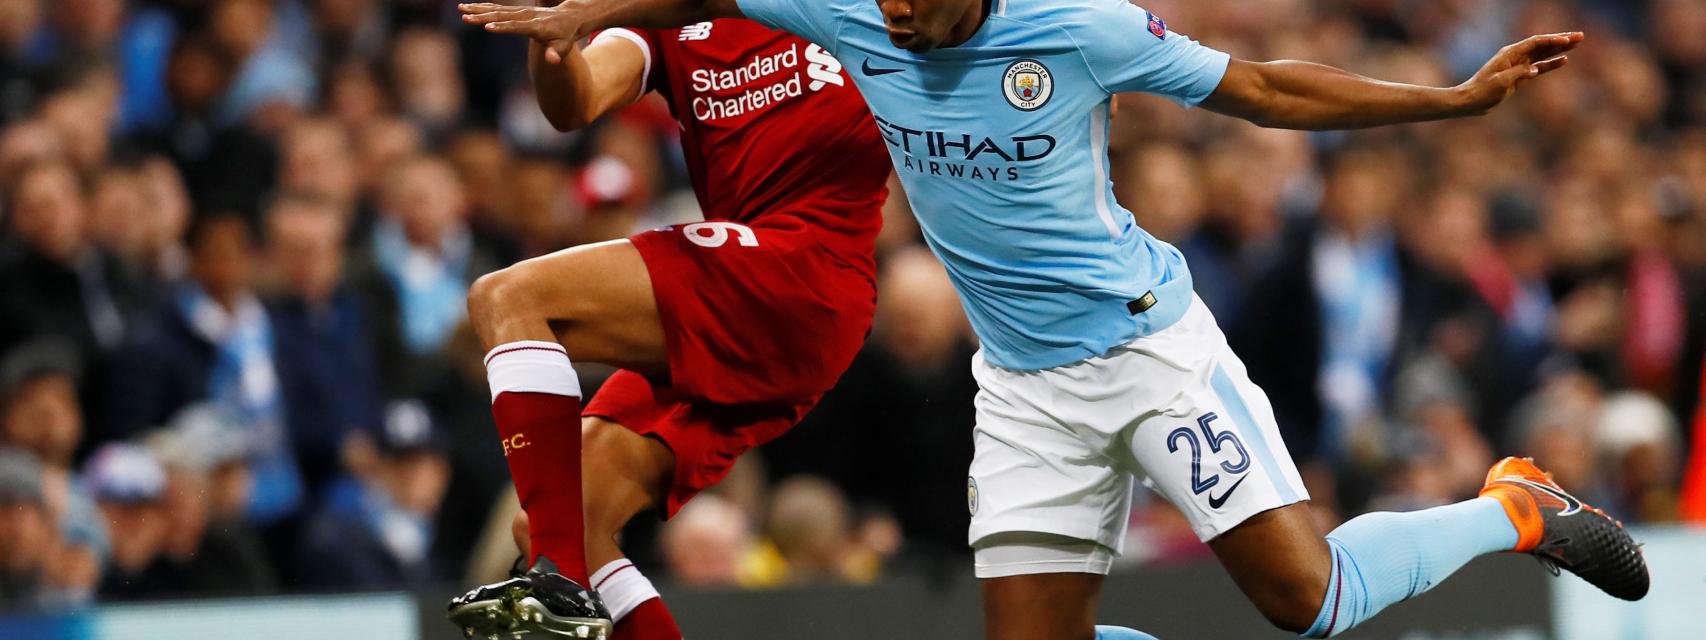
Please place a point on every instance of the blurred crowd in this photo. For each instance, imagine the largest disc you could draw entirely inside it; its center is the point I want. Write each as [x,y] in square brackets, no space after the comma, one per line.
[236,237]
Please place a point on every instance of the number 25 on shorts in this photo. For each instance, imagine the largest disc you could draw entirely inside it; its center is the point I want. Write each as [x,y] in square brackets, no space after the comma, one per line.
[1216,441]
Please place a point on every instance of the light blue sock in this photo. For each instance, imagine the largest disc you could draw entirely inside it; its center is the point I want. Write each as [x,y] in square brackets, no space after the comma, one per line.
[1382,558]
[1105,632]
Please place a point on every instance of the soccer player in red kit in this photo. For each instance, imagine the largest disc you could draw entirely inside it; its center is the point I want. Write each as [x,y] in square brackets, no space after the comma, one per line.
[727,331]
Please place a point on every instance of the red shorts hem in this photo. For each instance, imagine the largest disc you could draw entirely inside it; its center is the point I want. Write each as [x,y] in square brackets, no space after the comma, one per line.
[706,439]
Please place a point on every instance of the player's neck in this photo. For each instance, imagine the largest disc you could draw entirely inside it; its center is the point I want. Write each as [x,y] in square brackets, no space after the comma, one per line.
[969,25]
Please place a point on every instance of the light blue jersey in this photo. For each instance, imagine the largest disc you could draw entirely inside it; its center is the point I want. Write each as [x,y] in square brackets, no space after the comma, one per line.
[1002,144]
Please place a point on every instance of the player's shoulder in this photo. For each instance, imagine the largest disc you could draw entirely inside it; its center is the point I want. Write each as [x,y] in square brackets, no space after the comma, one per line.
[725,42]
[1079,18]
[736,33]
[819,8]
[743,32]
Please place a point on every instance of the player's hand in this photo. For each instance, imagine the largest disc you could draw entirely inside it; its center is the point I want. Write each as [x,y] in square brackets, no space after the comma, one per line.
[1515,65]
[557,28]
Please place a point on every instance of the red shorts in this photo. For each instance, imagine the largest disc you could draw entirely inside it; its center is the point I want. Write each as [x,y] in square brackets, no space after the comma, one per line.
[759,322]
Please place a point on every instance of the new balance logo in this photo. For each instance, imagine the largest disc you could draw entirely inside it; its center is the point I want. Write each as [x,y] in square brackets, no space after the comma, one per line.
[698,31]
[824,68]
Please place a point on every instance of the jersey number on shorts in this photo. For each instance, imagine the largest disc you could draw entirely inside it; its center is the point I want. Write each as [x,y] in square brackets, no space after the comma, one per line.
[1216,441]
[716,234]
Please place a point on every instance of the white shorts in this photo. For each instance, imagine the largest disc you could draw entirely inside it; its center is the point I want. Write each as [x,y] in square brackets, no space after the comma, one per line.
[1059,450]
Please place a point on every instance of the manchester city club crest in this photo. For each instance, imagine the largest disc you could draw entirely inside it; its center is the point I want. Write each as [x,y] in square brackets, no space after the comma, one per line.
[971,495]
[1027,85]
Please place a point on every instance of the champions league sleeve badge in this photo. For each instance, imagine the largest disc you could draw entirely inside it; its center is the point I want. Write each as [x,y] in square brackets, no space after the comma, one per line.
[1027,85]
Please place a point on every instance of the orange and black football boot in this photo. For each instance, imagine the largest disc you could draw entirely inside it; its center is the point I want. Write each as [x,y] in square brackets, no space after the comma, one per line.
[1563,533]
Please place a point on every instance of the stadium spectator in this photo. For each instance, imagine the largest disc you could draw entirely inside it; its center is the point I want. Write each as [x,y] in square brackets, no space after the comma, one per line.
[273,81]
[354,98]
[25,144]
[706,543]
[117,212]
[80,104]
[1231,240]
[484,165]
[226,167]
[208,550]
[211,340]
[136,37]
[414,275]
[1636,441]
[327,374]
[375,531]
[1556,423]
[349,29]
[425,76]
[379,147]
[129,487]
[1435,415]
[1350,294]
[811,527]
[39,410]
[317,158]
[1511,276]
[26,531]
[53,281]
[163,259]
[610,189]
[40,414]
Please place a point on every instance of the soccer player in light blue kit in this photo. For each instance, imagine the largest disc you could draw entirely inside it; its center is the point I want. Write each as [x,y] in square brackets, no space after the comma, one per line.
[1099,367]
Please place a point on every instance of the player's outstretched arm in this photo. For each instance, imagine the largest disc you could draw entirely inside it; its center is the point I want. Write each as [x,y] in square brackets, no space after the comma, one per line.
[560,27]
[1300,95]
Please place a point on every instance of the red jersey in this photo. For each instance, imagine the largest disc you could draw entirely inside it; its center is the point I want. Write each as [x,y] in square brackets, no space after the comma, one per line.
[771,126]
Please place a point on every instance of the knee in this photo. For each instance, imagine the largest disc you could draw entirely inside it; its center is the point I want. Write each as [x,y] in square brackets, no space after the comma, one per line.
[1292,606]
[495,295]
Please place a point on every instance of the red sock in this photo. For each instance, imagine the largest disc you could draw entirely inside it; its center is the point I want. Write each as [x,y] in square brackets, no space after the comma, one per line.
[634,603]
[536,403]
[649,621]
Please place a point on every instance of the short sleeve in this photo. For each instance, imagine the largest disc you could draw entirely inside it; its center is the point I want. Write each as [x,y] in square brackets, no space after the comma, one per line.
[1131,50]
[809,19]
[645,39]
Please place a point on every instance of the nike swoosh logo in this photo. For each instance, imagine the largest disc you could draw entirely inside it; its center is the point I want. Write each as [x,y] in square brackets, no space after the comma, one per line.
[1216,503]
[876,71]
[1571,504]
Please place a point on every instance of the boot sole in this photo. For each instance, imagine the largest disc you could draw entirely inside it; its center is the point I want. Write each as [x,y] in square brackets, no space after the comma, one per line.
[523,618]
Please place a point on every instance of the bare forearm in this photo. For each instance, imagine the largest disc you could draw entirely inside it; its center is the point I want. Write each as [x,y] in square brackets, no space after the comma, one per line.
[574,85]
[1301,95]
[556,85]
[561,88]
